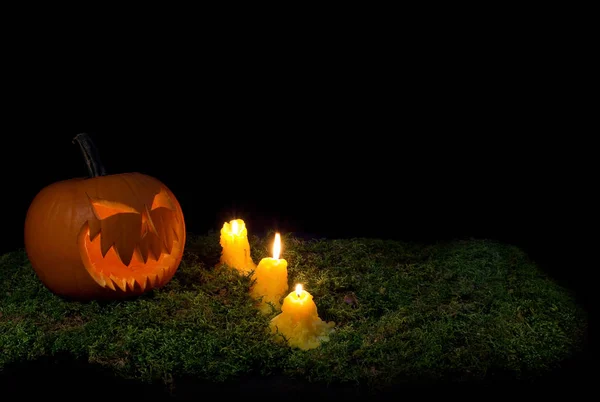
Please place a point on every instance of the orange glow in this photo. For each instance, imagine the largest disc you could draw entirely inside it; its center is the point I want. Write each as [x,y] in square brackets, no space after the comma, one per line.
[298,289]
[162,200]
[104,209]
[108,270]
[277,246]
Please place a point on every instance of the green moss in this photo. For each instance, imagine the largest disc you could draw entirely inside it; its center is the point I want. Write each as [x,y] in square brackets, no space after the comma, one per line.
[458,310]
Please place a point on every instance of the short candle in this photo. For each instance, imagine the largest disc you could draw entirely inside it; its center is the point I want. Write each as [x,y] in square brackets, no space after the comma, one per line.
[299,322]
[270,279]
[236,248]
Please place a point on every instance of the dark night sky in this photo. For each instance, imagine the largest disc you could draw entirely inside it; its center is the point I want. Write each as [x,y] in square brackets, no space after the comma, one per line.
[406,185]
[407,178]
[451,140]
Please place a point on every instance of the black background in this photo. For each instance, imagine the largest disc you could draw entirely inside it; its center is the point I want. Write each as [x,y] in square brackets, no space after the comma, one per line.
[382,131]
[345,166]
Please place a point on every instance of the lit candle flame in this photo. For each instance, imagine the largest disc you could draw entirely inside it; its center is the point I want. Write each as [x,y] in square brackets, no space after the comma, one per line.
[234,227]
[277,246]
[298,289]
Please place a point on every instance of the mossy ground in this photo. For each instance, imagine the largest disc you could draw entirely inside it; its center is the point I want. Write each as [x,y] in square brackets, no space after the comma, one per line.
[462,310]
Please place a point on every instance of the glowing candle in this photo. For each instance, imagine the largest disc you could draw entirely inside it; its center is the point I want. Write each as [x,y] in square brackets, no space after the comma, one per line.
[299,322]
[236,249]
[270,279]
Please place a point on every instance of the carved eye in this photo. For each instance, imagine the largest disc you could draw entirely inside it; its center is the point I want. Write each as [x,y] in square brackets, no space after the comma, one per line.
[162,200]
[104,208]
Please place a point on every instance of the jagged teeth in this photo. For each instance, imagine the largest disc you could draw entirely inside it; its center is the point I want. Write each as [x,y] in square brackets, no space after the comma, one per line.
[130,282]
[159,275]
[99,278]
[143,283]
[109,281]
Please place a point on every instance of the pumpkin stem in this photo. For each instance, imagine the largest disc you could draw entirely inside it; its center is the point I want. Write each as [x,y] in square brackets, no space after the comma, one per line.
[90,155]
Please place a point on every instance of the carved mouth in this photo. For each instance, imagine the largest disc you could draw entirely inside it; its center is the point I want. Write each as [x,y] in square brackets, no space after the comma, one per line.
[110,272]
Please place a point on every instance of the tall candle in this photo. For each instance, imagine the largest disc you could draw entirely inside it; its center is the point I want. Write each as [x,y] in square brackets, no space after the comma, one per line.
[299,322]
[236,248]
[270,279]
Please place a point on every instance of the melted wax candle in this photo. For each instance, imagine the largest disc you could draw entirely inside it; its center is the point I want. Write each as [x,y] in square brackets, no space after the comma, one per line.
[299,322]
[236,249]
[270,279]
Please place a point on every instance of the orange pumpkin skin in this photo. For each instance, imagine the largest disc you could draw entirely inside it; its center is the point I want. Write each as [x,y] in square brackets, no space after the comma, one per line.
[105,237]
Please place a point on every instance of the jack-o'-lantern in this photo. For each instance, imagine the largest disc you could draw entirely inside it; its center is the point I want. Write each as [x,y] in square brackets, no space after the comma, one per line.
[105,236]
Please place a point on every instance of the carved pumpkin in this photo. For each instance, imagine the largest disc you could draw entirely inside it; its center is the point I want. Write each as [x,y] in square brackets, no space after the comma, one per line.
[106,236]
